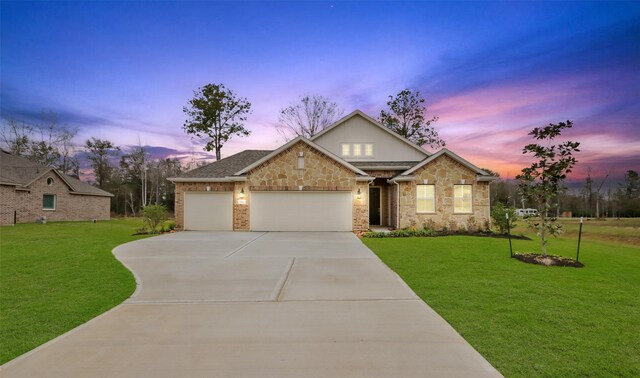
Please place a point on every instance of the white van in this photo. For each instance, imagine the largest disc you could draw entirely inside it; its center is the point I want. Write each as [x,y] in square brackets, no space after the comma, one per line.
[526,212]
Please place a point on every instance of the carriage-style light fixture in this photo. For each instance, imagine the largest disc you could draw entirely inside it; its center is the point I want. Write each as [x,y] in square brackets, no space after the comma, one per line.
[242,193]
[359,195]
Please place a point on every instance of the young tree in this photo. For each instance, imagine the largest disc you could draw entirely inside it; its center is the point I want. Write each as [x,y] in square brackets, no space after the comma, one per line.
[309,116]
[540,182]
[216,114]
[406,116]
[98,152]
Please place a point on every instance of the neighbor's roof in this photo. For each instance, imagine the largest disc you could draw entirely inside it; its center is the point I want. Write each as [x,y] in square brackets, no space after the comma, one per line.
[224,167]
[20,172]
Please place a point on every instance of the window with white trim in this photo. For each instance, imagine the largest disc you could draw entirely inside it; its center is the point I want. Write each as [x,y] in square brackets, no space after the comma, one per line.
[357,149]
[425,198]
[462,199]
[368,150]
[48,202]
[346,149]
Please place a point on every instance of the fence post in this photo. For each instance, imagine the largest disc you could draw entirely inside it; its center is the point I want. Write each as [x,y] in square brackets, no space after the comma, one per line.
[579,238]
[509,235]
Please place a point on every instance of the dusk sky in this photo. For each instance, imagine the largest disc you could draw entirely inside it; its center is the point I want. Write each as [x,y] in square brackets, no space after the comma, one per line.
[490,71]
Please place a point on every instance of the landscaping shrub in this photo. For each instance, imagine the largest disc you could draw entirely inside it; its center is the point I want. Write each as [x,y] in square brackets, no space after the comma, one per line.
[499,215]
[154,215]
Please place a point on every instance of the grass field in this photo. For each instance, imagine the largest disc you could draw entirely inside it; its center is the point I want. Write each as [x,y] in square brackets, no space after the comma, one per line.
[528,320]
[56,276]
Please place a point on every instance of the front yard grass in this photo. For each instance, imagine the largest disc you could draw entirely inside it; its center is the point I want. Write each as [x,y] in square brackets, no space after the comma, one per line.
[56,276]
[530,320]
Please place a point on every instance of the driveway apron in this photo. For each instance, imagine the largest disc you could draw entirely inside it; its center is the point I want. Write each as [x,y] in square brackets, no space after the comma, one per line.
[245,304]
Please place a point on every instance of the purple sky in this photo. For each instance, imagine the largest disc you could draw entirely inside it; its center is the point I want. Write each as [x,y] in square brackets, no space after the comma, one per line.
[490,71]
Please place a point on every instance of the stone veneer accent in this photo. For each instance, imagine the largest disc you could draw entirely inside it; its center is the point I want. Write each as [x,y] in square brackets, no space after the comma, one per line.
[320,173]
[445,172]
[69,207]
[281,173]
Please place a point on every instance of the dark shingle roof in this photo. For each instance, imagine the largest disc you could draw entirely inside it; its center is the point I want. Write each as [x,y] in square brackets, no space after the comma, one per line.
[227,166]
[16,170]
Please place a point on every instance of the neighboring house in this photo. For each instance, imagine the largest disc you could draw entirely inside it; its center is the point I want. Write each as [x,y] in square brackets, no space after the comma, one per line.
[30,191]
[352,175]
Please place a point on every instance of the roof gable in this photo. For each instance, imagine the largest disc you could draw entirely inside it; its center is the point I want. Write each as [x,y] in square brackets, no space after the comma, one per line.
[374,123]
[292,143]
[450,154]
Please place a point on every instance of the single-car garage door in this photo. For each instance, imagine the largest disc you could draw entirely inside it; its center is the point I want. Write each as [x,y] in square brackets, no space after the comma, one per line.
[301,211]
[208,211]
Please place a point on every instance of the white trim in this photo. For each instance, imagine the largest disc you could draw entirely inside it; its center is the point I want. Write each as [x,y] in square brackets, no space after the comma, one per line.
[309,143]
[373,121]
[452,155]
[385,167]
[365,178]
[400,179]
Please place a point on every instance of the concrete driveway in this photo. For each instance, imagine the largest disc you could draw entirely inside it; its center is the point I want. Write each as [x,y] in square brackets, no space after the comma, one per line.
[240,304]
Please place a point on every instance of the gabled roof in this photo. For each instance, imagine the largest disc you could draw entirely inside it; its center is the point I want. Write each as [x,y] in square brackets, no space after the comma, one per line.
[20,172]
[360,113]
[223,168]
[450,154]
[310,144]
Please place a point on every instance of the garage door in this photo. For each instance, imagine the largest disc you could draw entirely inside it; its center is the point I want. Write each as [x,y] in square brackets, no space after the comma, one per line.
[208,211]
[301,211]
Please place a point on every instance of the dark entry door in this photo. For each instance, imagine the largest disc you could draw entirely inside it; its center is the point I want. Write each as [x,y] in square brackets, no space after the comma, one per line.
[374,206]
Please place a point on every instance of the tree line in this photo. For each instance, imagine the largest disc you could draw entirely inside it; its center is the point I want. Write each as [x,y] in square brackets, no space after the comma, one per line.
[591,199]
[129,173]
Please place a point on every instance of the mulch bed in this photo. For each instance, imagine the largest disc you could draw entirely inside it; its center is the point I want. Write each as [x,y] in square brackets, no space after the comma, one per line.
[549,260]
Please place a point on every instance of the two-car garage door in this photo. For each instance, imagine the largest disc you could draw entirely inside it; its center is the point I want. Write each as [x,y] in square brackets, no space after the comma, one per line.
[271,211]
[300,211]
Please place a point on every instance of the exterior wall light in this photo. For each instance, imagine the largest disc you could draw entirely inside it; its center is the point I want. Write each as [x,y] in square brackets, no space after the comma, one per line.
[208,188]
[359,194]
[242,193]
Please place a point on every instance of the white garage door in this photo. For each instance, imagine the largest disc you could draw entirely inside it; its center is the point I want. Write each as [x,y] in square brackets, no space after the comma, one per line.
[301,211]
[208,211]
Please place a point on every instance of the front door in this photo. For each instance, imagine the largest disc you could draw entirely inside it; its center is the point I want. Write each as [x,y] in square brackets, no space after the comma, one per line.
[374,206]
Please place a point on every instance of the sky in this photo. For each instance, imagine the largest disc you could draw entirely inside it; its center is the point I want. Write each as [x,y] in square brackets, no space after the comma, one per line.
[491,71]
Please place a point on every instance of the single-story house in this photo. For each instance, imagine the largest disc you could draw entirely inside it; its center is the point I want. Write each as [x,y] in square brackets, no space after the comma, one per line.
[354,174]
[30,192]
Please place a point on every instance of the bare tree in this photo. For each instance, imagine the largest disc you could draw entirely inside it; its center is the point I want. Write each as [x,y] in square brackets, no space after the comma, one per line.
[16,136]
[309,116]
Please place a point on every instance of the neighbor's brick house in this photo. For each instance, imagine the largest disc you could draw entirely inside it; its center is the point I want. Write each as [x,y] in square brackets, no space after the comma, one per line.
[354,174]
[30,191]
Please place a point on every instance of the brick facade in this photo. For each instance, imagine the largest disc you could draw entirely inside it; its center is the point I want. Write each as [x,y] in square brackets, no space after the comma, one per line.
[27,204]
[445,172]
[182,187]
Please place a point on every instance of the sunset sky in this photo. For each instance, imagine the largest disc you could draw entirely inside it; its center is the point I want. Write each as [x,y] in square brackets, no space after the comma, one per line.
[490,71]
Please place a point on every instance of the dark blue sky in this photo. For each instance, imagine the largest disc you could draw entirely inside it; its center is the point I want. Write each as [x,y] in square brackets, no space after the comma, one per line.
[490,71]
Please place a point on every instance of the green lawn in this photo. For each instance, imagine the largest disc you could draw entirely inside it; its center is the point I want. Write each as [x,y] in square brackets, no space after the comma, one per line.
[528,320]
[56,276]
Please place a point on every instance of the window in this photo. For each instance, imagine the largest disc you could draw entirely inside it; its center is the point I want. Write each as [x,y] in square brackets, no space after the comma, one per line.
[346,149]
[48,202]
[357,150]
[368,150]
[425,198]
[462,198]
[49,181]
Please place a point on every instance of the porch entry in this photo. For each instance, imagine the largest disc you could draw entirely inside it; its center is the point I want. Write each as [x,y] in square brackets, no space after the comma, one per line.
[374,206]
